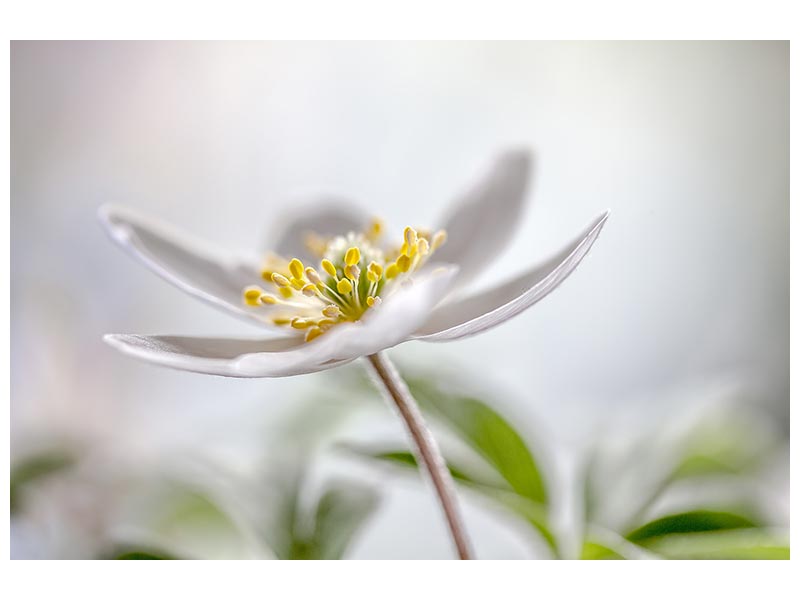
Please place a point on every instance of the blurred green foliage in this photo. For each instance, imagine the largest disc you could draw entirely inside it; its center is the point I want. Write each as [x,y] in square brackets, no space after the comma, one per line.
[518,484]
[35,467]
[283,512]
[515,482]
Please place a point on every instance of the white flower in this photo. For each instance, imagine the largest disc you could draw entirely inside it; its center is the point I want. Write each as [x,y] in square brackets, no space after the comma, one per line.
[363,297]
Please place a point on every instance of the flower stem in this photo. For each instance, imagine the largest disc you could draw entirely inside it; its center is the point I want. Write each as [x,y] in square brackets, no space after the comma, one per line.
[427,450]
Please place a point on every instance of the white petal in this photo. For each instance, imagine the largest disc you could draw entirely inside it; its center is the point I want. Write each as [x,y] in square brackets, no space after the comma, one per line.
[191,264]
[383,327]
[482,221]
[476,313]
[215,356]
[327,216]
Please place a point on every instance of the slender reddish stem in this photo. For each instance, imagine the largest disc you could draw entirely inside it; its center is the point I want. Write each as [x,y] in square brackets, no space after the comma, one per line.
[426,449]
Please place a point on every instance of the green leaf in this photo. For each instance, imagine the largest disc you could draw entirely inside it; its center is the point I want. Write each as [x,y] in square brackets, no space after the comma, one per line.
[341,512]
[405,458]
[532,512]
[689,522]
[142,554]
[699,465]
[186,520]
[742,544]
[487,433]
[594,551]
[520,486]
[283,515]
[34,468]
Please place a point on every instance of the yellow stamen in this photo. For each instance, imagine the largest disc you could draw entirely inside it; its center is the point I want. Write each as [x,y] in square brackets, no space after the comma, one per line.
[296,268]
[331,311]
[410,237]
[403,262]
[300,323]
[280,280]
[315,299]
[352,256]
[312,275]
[352,272]
[439,238]
[344,286]
[374,230]
[252,295]
[312,333]
[329,268]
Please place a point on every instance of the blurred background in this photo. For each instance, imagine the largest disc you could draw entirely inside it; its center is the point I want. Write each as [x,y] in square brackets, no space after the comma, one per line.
[639,411]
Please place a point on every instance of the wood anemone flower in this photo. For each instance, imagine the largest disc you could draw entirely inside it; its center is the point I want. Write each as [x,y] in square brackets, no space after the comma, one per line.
[332,291]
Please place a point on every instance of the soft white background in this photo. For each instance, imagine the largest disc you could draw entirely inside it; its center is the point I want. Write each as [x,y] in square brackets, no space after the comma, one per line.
[685,293]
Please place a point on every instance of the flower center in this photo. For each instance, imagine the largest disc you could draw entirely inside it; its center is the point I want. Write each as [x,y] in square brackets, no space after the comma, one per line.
[354,272]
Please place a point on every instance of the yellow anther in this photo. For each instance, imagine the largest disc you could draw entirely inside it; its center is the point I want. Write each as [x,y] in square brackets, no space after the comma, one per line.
[352,256]
[300,323]
[312,333]
[331,311]
[329,268]
[252,295]
[296,268]
[280,280]
[410,237]
[316,299]
[312,275]
[439,238]
[404,262]
[344,286]
[375,229]
[352,272]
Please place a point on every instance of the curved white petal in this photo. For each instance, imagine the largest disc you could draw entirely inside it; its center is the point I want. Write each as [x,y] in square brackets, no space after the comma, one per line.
[327,216]
[384,327]
[189,263]
[474,314]
[481,222]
